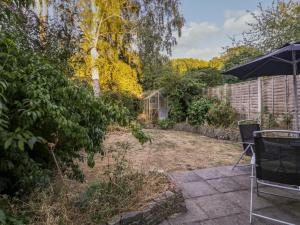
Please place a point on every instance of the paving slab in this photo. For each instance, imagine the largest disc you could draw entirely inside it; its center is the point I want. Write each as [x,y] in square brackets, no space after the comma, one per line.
[243,180]
[236,219]
[218,206]
[281,214]
[242,198]
[229,172]
[221,196]
[194,214]
[185,177]
[225,184]
[197,189]
[209,173]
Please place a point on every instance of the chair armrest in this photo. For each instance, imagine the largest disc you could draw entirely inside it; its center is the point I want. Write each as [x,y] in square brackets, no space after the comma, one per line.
[255,133]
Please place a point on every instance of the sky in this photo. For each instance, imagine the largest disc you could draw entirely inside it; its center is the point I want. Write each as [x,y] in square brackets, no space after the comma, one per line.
[209,24]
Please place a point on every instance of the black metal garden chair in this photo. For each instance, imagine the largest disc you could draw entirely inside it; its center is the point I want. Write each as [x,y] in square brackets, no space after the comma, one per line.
[276,161]
[247,127]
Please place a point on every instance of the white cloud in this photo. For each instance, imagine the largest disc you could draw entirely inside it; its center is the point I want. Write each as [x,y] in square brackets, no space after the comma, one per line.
[199,53]
[237,21]
[194,33]
[204,40]
[195,36]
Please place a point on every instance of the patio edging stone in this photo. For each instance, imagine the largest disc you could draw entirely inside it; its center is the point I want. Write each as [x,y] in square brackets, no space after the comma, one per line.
[165,205]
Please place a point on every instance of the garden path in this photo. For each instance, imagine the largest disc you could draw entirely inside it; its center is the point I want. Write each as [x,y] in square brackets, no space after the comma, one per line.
[220,196]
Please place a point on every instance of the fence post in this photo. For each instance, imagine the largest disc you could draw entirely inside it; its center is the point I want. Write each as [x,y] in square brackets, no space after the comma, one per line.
[273,108]
[226,93]
[286,95]
[259,100]
[249,99]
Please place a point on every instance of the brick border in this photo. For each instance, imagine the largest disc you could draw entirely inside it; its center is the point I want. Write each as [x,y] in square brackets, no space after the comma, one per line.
[167,204]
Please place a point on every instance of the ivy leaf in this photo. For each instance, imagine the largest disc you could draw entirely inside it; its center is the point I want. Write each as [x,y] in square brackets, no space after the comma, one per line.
[21,145]
[7,143]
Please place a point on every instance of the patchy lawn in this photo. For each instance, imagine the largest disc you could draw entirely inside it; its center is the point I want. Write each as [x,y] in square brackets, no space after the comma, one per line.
[172,150]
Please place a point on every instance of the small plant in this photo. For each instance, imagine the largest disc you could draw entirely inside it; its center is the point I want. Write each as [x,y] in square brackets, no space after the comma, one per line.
[166,124]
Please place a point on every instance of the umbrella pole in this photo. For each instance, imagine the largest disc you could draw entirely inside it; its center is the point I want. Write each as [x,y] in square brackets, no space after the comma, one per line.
[295,90]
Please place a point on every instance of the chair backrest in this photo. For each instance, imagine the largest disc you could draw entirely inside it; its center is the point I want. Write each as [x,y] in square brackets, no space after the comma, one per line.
[277,158]
[246,132]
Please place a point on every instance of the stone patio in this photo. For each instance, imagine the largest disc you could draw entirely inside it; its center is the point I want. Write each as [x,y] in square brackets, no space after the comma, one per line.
[220,196]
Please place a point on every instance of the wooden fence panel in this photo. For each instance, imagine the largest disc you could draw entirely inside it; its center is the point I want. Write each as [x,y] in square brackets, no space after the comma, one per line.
[266,95]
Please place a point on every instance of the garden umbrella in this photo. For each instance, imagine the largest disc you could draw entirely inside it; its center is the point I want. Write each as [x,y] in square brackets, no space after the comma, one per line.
[283,61]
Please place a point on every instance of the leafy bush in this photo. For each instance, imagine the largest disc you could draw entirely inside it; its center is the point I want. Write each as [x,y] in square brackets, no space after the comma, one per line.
[166,124]
[43,112]
[221,114]
[181,90]
[197,111]
[212,112]
[126,100]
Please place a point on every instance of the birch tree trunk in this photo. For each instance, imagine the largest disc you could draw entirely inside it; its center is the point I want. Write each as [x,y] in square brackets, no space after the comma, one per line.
[41,9]
[94,51]
[95,72]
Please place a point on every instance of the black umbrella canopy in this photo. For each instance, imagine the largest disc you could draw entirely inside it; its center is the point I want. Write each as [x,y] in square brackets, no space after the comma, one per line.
[278,62]
[283,61]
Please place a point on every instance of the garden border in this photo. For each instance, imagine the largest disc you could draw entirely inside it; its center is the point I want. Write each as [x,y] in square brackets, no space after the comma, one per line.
[209,131]
[165,205]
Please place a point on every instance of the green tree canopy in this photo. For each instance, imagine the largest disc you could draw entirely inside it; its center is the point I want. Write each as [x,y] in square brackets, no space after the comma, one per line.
[274,26]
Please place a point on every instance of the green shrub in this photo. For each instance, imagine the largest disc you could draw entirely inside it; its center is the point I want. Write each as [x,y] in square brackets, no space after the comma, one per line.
[41,109]
[126,100]
[212,112]
[221,114]
[197,111]
[166,124]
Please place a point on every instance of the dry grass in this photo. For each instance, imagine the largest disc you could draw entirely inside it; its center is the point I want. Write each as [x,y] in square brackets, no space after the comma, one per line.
[174,150]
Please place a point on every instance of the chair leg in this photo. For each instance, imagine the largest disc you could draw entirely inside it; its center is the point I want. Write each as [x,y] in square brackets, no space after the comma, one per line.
[241,157]
[251,193]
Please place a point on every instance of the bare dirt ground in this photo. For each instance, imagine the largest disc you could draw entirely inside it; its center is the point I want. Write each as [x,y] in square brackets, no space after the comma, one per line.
[172,151]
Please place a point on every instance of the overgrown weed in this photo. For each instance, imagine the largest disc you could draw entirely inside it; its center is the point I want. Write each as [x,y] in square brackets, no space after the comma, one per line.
[119,189]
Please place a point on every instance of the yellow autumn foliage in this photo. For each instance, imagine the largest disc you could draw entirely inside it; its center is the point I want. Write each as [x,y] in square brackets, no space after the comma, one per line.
[182,65]
[104,30]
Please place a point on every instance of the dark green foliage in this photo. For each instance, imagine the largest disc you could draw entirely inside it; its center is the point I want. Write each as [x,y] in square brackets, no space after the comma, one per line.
[126,100]
[157,23]
[41,109]
[207,75]
[166,124]
[212,112]
[221,114]
[181,89]
[197,111]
